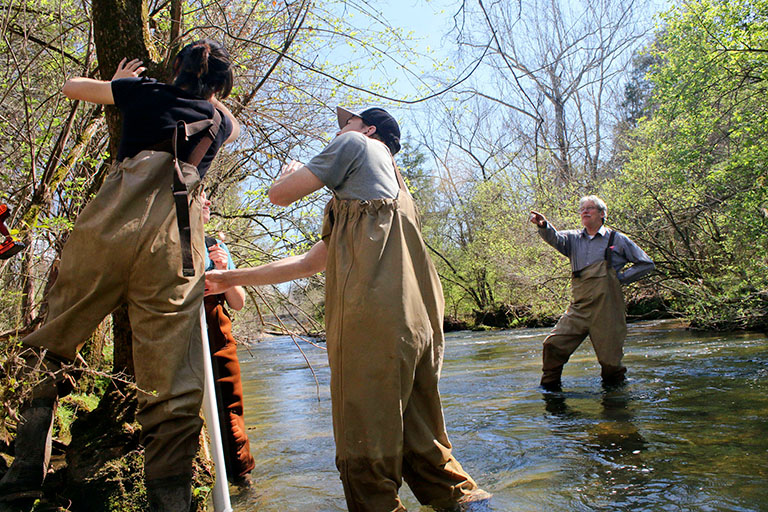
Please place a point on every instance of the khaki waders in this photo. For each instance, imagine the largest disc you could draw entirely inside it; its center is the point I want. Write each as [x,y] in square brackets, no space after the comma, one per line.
[384,314]
[597,310]
[229,389]
[125,248]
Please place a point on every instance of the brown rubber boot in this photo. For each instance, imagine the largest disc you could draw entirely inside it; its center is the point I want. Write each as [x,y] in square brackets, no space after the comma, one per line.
[613,376]
[32,450]
[172,494]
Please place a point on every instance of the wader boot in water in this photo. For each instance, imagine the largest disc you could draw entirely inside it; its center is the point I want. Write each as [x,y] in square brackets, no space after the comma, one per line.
[32,452]
[384,314]
[597,310]
[474,501]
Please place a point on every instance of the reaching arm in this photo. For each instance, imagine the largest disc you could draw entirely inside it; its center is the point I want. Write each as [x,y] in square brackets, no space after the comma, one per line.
[550,235]
[221,259]
[295,181]
[280,271]
[235,297]
[100,91]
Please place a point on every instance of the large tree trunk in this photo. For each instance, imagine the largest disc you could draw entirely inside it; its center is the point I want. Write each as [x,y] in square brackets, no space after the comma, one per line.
[120,30]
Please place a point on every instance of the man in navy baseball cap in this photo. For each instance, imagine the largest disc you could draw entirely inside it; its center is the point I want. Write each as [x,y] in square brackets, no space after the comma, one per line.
[387,129]
[384,311]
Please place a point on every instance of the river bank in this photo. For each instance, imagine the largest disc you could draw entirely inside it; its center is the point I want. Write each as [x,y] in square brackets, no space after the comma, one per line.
[687,432]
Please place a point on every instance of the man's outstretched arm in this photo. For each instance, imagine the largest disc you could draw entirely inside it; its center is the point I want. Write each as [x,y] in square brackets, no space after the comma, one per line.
[295,181]
[280,271]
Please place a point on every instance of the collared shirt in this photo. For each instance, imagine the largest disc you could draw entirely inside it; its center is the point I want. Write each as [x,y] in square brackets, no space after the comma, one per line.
[583,251]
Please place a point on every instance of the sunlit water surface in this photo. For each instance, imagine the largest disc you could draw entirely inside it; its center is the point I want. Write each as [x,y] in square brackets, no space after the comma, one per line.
[688,432]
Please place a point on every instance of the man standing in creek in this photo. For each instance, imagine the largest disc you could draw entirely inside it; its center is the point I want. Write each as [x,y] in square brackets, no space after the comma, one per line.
[597,309]
[384,315]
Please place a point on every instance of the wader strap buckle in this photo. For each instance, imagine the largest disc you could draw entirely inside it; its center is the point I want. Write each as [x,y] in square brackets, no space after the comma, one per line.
[180,194]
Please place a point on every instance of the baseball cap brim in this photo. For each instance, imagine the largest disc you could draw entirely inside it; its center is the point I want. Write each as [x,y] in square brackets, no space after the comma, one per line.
[343,115]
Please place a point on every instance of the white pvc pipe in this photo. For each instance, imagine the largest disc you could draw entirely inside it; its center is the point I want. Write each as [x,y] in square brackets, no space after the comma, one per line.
[221,501]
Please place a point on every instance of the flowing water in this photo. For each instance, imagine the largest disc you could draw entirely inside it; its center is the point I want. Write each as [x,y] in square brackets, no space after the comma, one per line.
[688,432]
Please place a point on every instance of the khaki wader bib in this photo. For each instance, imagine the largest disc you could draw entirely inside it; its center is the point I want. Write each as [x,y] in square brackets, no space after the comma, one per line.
[384,315]
[597,310]
[125,248]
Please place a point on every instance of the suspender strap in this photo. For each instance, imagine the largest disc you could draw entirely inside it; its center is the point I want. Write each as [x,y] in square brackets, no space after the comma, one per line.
[180,195]
[400,181]
[608,251]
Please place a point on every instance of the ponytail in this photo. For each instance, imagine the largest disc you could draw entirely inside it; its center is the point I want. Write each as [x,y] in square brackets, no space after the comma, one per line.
[204,68]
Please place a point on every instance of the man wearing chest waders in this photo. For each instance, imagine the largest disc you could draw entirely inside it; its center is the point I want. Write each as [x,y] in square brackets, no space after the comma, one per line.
[139,241]
[597,256]
[384,317]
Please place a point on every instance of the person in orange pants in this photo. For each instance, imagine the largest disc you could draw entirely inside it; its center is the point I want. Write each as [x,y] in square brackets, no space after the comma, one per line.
[384,313]
[226,367]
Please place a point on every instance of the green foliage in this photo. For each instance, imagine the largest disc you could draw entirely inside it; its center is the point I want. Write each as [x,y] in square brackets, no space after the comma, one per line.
[693,189]
[68,409]
[128,493]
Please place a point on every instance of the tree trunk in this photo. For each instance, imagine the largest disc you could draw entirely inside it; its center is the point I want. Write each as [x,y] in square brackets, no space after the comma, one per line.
[27,287]
[120,30]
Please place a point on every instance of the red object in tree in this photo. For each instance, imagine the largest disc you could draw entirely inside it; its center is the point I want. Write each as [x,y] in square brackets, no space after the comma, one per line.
[9,246]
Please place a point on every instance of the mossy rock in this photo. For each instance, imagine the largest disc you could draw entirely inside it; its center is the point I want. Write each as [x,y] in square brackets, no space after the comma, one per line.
[105,463]
[451,324]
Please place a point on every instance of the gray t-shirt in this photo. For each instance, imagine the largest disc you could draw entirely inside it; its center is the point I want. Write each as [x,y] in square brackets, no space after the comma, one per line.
[354,166]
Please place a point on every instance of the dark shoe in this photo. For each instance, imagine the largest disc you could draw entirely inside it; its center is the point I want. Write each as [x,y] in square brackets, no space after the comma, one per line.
[32,452]
[173,494]
[242,482]
[614,382]
[613,376]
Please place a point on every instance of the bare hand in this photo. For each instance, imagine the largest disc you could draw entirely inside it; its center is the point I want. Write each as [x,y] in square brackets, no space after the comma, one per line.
[130,69]
[214,282]
[219,257]
[290,168]
[538,219]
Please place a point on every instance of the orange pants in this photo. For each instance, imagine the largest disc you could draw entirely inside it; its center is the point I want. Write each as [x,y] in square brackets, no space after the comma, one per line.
[229,388]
